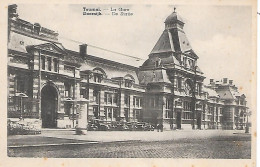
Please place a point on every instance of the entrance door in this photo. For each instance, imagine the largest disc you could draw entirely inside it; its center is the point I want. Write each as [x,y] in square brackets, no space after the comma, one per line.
[178,120]
[49,102]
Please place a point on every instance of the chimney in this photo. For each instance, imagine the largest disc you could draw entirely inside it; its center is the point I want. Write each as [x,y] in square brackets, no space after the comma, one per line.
[12,11]
[211,81]
[225,80]
[83,50]
[230,82]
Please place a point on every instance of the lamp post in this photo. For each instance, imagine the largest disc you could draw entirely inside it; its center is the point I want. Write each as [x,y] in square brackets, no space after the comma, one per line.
[21,95]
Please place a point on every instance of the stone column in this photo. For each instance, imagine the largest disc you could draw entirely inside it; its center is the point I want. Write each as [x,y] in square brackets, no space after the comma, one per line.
[163,107]
[182,82]
[175,81]
[233,117]
[36,105]
[101,104]
[90,107]
[131,110]
[122,106]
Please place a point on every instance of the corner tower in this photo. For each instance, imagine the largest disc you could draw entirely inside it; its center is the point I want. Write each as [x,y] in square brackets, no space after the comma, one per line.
[173,79]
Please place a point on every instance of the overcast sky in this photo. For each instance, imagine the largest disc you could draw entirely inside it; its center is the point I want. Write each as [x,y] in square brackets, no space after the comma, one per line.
[220,35]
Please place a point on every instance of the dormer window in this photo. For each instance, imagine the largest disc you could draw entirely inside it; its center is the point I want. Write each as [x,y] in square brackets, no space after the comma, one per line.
[98,75]
[128,83]
[37,28]
[158,63]
[97,78]
[129,80]
[184,61]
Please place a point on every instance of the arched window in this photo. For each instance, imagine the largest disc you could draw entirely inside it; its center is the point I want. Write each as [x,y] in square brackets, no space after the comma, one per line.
[129,80]
[158,62]
[98,74]
[100,71]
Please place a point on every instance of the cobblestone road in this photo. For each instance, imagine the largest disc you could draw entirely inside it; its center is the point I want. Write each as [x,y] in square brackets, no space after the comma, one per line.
[230,147]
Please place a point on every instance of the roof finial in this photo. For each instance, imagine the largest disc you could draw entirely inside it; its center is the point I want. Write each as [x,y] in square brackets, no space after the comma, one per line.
[174,9]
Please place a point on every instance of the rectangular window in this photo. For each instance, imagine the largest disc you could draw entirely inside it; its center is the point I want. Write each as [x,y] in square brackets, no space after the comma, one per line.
[67,108]
[115,99]
[96,96]
[128,83]
[127,97]
[126,114]
[95,111]
[55,63]
[179,83]
[105,113]
[97,78]
[115,113]
[184,61]
[138,102]
[109,98]
[49,63]
[105,98]
[67,92]
[220,110]
[137,115]
[84,93]
[166,114]
[43,62]
[109,113]
[168,104]
[20,85]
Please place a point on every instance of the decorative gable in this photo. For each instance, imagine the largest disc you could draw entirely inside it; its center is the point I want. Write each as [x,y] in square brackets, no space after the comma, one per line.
[49,47]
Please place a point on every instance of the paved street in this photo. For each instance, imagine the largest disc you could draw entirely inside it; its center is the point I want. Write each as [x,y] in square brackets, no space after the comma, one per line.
[168,144]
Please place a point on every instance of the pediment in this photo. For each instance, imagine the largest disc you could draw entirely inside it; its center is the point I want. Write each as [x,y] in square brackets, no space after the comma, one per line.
[49,47]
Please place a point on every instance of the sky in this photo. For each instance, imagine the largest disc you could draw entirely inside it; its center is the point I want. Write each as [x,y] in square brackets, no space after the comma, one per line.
[219,35]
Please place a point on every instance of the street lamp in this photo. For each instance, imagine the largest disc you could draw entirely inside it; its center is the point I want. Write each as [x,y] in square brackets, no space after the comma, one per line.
[21,95]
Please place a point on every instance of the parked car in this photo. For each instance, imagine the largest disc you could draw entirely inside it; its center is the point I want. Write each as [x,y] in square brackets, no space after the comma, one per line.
[123,127]
[148,127]
[131,125]
[92,127]
[103,127]
[140,126]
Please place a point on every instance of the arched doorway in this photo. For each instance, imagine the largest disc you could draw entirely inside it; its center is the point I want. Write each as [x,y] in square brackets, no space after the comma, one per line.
[49,103]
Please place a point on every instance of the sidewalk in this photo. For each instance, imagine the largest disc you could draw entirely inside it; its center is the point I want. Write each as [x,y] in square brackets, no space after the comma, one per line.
[55,137]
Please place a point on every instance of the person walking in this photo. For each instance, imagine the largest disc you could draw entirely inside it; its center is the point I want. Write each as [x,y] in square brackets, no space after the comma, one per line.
[161,127]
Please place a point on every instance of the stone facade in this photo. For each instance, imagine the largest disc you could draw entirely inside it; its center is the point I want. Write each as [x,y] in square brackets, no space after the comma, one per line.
[62,88]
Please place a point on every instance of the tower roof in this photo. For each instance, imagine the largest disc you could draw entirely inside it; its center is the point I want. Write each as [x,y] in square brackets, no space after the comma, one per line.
[173,18]
[172,41]
[173,38]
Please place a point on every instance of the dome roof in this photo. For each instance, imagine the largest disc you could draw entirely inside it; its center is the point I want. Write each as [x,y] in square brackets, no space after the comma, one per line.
[174,17]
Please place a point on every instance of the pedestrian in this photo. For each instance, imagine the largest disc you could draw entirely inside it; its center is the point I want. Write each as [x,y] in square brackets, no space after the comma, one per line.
[161,127]
[158,127]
